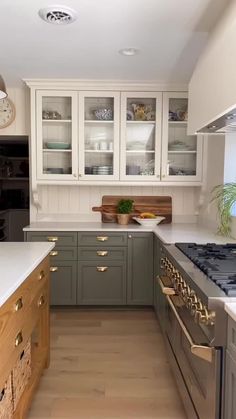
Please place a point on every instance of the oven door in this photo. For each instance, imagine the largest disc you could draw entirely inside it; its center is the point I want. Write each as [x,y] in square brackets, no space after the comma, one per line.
[200,364]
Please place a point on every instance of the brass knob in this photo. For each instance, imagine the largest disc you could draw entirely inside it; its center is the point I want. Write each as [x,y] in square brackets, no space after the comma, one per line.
[53,239]
[102,268]
[53,269]
[41,275]
[53,253]
[41,301]
[19,304]
[102,252]
[18,339]
[130,236]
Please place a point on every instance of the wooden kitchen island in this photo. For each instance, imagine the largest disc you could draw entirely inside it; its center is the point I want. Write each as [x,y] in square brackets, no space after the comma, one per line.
[24,323]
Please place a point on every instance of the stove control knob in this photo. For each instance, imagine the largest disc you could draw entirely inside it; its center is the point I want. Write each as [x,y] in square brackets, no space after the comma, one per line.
[191,299]
[196,307]
[205,317]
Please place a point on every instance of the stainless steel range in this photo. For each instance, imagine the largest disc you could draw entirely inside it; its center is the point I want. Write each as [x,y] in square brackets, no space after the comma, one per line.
[195,281]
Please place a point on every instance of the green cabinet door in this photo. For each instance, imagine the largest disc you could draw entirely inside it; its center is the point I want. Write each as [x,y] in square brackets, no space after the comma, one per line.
[63,283]
[230,387]
[140,269]
[101,283]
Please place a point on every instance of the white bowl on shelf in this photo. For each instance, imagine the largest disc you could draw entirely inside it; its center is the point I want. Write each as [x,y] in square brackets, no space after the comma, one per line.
[149,222]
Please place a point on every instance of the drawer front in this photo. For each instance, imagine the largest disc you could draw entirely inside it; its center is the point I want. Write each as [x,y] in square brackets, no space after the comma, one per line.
[102,239]
[102,254]
[101,284]
[60,238]
[231,344]
[63,283]
[63,253]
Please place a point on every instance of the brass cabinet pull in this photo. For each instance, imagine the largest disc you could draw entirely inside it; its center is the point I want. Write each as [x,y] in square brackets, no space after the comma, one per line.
[165,290]
[102,238]
[41,301]
[102,268]
[53,269]
[18,339]
[201,351]
[19,304]
[41,275]
[53,253]
[53,239]
[102,252]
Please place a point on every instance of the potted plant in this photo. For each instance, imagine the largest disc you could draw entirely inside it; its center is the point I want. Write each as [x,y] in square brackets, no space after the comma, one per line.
[124,208]
[225,197]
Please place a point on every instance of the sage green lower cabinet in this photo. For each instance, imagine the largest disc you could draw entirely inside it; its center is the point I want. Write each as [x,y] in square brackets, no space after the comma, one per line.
[140,269]
[101,284]
[230,387]
[63,283]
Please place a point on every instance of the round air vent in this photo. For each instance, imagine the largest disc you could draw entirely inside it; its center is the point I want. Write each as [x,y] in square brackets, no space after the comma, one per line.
[58,15]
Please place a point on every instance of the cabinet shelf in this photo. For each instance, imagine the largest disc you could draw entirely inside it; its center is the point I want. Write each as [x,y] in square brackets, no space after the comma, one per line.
[178,123]
[56,121]
[100,151]
[182,152]
[98,121]
[140,151]
[56,150]
[140,122]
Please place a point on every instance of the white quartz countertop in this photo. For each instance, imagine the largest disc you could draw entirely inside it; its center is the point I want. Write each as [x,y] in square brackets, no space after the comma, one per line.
[230,308]
[17,261]
[168,233]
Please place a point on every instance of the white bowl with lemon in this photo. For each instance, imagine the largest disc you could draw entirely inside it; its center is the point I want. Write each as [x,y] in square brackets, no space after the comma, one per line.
[148,219]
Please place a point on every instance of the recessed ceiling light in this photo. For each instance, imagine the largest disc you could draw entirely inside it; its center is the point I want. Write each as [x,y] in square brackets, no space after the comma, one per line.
[128,51]
[58,15]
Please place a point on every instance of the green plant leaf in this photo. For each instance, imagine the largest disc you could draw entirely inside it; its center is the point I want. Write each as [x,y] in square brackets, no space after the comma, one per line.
[225,198]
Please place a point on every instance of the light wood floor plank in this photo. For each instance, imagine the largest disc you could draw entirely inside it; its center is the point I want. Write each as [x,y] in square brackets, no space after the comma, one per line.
[106,364]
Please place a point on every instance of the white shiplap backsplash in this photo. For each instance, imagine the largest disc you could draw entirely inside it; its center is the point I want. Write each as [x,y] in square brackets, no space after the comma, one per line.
[76,202]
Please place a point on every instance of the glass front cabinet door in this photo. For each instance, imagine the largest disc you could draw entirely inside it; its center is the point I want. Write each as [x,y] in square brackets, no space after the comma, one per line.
[140,136]
[99,135]
[56,129]
[181,153]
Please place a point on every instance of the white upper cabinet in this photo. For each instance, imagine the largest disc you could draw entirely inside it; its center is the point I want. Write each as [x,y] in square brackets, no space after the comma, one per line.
[181,153]
[140,154]
[99,135]
[56,134]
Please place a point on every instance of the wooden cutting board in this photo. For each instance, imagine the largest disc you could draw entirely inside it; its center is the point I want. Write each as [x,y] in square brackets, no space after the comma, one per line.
[159,205]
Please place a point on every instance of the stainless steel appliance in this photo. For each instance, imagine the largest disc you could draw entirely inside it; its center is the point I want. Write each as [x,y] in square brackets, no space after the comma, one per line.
[195,281]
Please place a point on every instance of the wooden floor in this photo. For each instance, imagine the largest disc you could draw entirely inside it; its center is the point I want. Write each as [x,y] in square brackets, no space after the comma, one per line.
[106,365]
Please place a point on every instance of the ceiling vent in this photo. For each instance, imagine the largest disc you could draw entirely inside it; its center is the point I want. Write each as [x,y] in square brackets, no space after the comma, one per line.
[58,15]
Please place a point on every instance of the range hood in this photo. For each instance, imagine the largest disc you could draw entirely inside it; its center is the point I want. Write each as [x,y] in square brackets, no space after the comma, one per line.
[222,124]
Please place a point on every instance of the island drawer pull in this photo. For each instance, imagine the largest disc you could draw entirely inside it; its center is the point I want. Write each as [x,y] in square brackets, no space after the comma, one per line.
[41,275]
[41,301]
[54,269]
[102,252]
[102,268]
[18,339]
[53,253]
[53,238]
[19,304]
[102,238]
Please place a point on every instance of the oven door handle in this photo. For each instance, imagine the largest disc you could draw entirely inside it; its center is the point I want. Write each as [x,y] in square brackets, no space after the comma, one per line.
[165,290]
[201,351]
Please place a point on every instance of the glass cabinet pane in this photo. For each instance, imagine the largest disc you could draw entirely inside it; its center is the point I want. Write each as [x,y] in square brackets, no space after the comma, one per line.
[182,148]
[140,133]
[57,135]
[99,136]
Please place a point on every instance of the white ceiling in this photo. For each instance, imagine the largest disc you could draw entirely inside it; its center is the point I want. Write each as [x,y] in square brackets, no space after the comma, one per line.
[170,35]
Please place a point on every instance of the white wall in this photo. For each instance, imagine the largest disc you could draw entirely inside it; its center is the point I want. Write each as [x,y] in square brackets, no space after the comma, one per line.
[212,88]
[75,203]
[21,124]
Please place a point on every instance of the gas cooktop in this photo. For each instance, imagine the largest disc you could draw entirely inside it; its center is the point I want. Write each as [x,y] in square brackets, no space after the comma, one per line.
[217,261]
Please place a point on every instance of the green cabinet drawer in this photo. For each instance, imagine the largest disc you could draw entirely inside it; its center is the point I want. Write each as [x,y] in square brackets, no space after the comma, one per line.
[63,253]
[101,284]
[63,283]
[102,239]
[102,254]
[60,238]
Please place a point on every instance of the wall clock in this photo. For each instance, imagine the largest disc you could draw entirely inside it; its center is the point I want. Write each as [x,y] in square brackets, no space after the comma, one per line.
[7,112]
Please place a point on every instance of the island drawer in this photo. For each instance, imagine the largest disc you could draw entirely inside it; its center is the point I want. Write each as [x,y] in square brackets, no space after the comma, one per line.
[101,238]
[231,337]
[102,254]
[63,253]
[60,238]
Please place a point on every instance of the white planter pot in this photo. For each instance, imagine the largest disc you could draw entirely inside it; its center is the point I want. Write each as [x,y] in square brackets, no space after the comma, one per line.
[233,227]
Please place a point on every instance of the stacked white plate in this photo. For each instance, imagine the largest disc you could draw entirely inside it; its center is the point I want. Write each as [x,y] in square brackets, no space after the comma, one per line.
[102,170]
